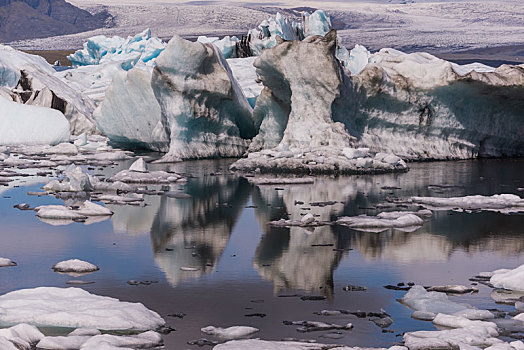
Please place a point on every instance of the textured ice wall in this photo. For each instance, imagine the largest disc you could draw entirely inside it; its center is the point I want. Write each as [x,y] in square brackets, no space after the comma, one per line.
[202,105]
[421,107]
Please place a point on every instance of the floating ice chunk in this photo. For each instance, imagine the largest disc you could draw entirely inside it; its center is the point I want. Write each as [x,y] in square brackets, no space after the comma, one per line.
[75,265]
[139,165]
[259,181]
[116,199]
[397,214]
[455,288]
[31,125]
[234,332]
[286,345]
[141,48]
[5,262]
[21,336]
[313,326]
[58,212]
[372,222]
[464,338]
[74,308]
[509,279]
[146,340]
[88,208]
[84,332]
[498,202]
[452,321]
[417,298]
[153,177]
[423,315]
[62,343]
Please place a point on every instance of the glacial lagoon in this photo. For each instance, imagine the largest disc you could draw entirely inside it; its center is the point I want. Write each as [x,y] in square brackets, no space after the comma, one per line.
[250,273]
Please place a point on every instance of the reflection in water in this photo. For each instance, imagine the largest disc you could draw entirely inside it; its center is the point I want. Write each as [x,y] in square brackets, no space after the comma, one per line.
[194,232]
[297,258]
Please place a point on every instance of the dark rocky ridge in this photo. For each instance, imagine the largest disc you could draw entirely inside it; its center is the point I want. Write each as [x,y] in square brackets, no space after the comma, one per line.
[28,19]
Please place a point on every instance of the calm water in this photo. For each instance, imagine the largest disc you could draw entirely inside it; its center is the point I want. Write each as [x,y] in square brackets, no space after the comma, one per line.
[248,267]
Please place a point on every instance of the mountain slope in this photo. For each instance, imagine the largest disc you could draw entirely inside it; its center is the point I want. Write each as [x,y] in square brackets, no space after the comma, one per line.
[27,19]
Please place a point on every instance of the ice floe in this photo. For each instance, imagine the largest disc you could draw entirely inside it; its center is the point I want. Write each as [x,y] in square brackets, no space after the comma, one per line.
[233,332]
[418,299]
[5,262]
[75,265]
[509,279]
[499,202]
[74,308]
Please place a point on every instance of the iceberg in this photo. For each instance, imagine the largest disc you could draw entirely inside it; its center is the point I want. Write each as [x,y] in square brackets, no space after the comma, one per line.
[31,125]
[421,107]
[75,308]
[139,49]
[297,114]
[203,108]
[130,114]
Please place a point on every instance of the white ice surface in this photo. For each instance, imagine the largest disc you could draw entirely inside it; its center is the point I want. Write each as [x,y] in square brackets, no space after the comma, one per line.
[31,125]
[497,202]
[418,299]
[509,279]
[379,223]
[233,332]
[74,308]
[5,262]
[75,265]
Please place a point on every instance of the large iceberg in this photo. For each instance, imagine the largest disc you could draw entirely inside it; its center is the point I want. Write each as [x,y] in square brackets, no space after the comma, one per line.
[298,111]
[203,108]
[422,107]
[135,50]
[31,125]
